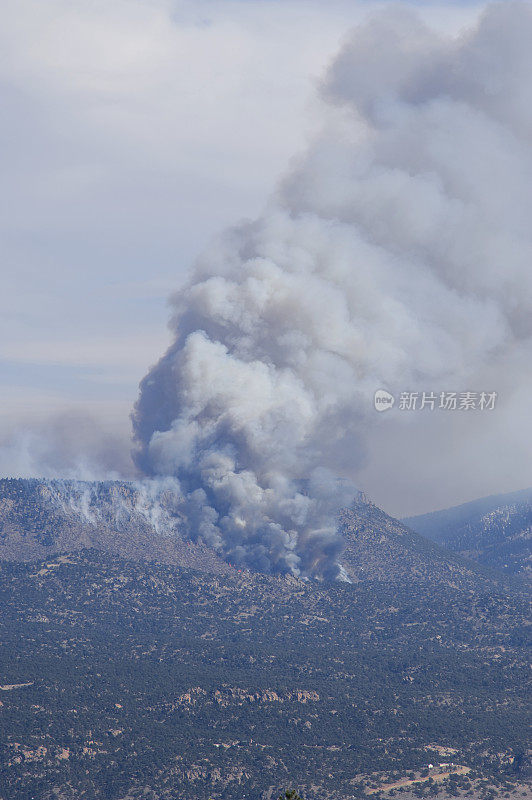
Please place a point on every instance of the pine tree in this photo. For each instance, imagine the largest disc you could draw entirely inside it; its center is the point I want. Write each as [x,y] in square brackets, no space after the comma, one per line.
[290,794]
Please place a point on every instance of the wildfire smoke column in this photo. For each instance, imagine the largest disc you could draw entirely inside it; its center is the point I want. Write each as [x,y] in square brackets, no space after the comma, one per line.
[377,264]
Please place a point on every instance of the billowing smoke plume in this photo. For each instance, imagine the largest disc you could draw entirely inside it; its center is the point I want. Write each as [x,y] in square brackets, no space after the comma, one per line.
[397,254]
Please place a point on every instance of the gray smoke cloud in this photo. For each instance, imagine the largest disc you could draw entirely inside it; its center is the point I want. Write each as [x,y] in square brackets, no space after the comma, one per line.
[396,254]
[71,445]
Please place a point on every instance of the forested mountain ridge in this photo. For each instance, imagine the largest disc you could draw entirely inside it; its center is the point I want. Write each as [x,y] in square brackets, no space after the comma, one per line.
[380,547]
[137,665]
[39,518]
[131,680]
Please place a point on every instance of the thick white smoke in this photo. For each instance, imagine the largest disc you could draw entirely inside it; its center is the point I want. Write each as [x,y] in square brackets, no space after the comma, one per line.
[397,254]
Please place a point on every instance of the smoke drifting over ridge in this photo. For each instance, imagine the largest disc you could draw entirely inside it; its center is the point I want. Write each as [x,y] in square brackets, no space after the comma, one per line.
[70,446]
[397,254]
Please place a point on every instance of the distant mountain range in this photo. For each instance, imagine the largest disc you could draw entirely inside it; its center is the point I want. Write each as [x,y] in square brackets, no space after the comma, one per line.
[494,531]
